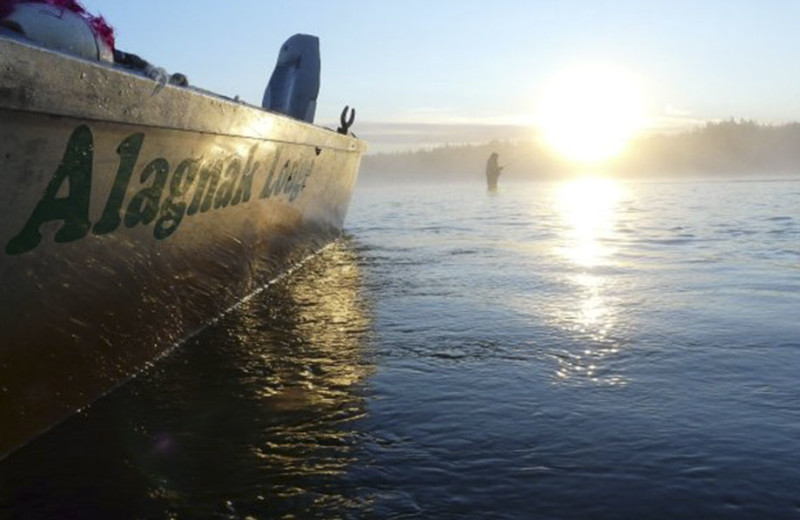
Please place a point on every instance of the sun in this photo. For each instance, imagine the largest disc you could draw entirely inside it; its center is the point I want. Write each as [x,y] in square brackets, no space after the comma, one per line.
[588,114]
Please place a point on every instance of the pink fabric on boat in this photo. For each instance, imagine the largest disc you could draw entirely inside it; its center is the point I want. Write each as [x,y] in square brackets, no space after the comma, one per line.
[97,23]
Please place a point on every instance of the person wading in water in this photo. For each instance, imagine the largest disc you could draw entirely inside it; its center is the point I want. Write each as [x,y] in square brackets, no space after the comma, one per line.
[492,171]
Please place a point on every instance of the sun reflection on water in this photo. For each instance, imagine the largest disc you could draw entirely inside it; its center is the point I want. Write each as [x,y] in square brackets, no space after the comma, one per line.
[587,208]
[588,212]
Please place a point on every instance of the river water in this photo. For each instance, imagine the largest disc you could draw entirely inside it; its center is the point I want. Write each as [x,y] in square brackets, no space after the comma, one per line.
[586,349]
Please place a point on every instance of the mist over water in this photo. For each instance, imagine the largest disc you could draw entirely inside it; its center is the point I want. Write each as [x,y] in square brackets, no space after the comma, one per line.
[587,349]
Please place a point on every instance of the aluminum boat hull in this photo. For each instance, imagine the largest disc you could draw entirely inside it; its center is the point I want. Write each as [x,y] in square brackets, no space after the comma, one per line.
[134,214]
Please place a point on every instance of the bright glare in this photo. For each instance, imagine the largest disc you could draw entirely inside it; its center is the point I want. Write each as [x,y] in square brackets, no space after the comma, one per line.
[588,209]
[589,114]
[588,206]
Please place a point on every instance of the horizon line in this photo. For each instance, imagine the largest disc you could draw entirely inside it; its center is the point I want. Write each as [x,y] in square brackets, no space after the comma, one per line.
[410,136]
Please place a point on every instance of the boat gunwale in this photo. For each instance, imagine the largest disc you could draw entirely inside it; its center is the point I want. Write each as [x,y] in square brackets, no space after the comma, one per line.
[44,81]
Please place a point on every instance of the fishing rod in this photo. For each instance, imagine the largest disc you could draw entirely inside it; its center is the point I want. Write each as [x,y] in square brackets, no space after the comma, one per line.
[517,158]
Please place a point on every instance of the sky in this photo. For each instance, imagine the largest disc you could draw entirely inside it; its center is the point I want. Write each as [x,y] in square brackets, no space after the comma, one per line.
[431,72]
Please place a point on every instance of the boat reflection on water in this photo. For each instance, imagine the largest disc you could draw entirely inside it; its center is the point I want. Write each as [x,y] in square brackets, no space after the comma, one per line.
[255,416]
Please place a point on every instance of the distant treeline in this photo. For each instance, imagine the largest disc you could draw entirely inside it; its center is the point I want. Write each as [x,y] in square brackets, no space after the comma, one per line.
[720,148]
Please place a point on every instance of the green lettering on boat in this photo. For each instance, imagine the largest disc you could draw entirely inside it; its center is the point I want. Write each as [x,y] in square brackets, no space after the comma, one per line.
[174,207]
[225,190]
[144,206]
[246,180]
[75,167]
[300,182]
[128,151]
[266,191]
[206,187]
[216,184]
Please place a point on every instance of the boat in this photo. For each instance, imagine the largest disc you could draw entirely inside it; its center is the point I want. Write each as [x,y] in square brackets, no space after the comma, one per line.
[136,212]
